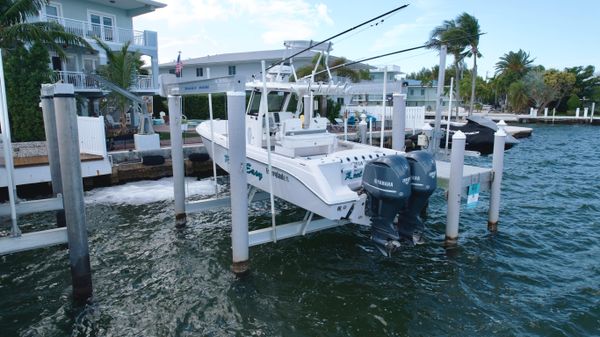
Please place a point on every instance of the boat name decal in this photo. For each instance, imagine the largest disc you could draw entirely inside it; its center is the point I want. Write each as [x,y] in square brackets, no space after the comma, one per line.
[280,176]
[350,174]
[384,183]
[251,171]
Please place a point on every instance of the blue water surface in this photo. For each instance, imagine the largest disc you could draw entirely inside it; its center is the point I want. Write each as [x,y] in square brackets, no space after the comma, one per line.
[539,275]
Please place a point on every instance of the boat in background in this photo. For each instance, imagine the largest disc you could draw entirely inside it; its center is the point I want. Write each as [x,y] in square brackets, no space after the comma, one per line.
[480,135]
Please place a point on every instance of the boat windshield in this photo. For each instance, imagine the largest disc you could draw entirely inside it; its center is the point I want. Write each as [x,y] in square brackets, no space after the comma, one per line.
[275,100]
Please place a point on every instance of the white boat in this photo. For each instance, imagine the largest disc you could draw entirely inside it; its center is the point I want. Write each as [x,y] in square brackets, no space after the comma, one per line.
[311,167]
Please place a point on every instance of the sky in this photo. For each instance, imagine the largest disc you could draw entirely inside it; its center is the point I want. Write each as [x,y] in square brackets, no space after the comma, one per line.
[557,34]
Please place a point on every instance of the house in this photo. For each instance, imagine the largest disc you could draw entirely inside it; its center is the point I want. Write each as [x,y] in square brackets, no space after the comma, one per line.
[246,64]
[111,22]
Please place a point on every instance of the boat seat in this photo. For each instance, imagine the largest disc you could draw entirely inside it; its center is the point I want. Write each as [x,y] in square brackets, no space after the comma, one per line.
[295,141]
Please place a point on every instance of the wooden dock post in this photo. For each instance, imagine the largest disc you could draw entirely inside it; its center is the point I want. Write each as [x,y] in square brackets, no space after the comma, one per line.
[498,168]
[68,144]
[236,124]
[457,160]
[177,163]
[592,112]
[47,104]
[398,121]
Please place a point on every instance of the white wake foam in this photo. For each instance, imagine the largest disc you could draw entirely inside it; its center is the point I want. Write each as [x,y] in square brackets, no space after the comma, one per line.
[145,192]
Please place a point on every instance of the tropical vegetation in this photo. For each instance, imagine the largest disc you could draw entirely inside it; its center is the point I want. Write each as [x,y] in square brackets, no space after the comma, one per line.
[25,48]
[122,68]
[461,37]
[517,83]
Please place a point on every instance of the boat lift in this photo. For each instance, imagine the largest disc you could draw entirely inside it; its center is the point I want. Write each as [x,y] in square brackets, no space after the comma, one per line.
[458,179]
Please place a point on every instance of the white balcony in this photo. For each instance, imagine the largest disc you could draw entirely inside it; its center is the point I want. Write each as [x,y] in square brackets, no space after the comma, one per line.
[84,83]
[105,33]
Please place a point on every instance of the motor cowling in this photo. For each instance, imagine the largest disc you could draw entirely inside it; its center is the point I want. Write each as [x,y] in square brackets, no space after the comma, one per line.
[387,183]
[423,180]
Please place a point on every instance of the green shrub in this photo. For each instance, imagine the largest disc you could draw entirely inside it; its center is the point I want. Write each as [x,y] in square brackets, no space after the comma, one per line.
[573,102]
[25,71]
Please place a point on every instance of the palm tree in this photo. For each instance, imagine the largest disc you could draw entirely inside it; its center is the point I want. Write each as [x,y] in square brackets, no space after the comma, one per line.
[14,30]
[514,65]
[469,27]
[121,69]
[448,34]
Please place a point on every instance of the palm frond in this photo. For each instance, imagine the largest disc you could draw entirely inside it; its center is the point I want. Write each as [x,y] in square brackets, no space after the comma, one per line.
[13,12]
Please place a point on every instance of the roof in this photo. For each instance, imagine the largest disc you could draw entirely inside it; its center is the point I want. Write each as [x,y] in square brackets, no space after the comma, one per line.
[133,7]
[277,54]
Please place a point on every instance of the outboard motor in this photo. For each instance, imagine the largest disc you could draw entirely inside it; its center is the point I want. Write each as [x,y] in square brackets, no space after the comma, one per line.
[387,183]
[423,179]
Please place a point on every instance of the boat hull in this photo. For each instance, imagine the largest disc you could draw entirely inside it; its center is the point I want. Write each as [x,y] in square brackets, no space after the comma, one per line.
[286,185]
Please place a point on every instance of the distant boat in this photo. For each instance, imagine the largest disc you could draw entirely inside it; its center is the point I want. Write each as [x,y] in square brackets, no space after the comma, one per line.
[480,135]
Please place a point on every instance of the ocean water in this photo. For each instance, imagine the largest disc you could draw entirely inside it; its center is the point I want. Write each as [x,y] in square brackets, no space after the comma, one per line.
[539,275]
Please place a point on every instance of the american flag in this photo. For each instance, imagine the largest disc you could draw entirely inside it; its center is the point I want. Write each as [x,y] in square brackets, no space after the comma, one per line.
[178,66]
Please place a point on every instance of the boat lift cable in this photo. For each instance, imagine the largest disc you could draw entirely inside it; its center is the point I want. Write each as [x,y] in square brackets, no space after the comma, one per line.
[265,109]
[337,35]
[389,54]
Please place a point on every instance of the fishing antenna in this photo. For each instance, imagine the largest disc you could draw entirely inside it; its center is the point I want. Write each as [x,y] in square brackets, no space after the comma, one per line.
[336,35]
[427,45]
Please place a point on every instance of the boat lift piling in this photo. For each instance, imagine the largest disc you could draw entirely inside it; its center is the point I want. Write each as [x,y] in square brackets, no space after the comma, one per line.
[74,206]
[49,115]
[174,102]
[236,102]
[308,110]
[498,168]
[440,100]
[457,159]
[398,121]
[362,128]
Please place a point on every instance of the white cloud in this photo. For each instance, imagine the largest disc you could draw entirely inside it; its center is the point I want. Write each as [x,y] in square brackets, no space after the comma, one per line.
[200,26]
[393,36]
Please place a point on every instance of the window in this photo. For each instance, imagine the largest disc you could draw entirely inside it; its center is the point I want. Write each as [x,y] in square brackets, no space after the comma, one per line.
[422,92]
[102,25]
[89,64]
[172,71]
[53,12]
[231,70]
[411,92]
[199,72]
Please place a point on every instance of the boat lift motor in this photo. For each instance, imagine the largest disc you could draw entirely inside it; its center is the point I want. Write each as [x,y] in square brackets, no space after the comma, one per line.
[423,181]
[387,183]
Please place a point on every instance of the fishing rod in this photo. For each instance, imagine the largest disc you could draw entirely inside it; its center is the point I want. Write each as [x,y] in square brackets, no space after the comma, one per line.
[337,35]
[396,52]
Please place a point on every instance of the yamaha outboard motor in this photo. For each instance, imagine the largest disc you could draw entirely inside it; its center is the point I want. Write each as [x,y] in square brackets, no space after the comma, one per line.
[423,179]
[387,183]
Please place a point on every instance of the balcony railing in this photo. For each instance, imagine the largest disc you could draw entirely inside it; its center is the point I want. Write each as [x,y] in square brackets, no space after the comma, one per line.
[82,82]
[90,30]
